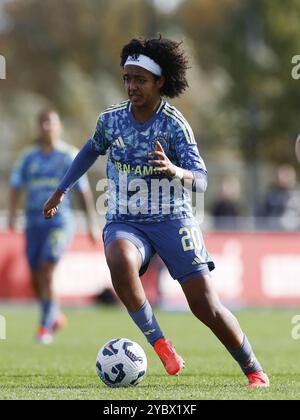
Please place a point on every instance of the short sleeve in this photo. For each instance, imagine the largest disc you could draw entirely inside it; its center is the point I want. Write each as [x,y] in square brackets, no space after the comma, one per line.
[99,139]
[18,173]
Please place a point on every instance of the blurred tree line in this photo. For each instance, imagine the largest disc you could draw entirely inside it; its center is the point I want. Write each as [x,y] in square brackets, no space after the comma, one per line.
[252,42]
[242,101]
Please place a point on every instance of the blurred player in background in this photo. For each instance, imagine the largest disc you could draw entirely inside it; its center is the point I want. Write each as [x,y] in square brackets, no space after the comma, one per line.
[226,208]
[150,141]
[38,171]
[279,209]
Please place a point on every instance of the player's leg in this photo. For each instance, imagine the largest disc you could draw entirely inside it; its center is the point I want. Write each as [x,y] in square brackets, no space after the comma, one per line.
[48,306]
[44,334]
[180,244]
[55,241]
[50,309]
[35,282]
[127,259]
[34,244]
[206,306]
[46,279]
[124,262]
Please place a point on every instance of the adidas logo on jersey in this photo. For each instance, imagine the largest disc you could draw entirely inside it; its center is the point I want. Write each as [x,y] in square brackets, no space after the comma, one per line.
[119,142]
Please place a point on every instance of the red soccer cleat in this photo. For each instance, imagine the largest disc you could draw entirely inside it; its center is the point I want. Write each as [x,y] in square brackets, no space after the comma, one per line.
[60,323]
[165,350]
[44,335]
[258,380]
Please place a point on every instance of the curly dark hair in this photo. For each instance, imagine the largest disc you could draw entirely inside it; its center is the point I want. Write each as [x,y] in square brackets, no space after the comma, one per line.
[168,54]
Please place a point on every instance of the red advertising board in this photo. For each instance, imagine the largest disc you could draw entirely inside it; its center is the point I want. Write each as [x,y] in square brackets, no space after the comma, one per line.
[252,269]
[81,275]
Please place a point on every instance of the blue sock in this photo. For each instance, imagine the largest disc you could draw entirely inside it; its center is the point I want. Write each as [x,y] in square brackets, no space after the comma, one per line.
[246,358]
[146,321]
[49,312]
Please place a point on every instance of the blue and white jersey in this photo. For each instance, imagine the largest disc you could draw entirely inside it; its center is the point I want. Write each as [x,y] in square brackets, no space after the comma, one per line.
[39,174]
[134,191]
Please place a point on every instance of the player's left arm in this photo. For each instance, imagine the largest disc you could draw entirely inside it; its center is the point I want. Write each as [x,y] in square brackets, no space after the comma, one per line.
[192,171]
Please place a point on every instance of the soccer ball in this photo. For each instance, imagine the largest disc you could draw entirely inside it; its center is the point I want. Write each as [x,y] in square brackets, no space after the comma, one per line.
[121,362]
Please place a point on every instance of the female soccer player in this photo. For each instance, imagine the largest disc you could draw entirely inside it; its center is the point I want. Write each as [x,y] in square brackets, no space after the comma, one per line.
[152,152]
[38,171]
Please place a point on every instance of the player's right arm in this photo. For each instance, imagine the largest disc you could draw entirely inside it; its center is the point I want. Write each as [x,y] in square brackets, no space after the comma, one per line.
[14,195]
[17,183]
[87,156]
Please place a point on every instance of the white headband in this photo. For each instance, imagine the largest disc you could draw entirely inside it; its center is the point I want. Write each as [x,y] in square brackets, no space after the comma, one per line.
[144,62]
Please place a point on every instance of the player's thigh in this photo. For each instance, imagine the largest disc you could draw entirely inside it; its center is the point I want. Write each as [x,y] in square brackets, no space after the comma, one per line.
[126,247]
[33,247]
[56,241]
[123,257]
[181,246]
[124,261]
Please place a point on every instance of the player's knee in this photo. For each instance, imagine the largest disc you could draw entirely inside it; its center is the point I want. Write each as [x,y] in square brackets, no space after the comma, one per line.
[121,261]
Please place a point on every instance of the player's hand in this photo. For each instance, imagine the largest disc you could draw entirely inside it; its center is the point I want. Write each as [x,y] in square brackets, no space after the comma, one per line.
[94,235]
[51,206]
[11,223]
[297,148]
[162,163]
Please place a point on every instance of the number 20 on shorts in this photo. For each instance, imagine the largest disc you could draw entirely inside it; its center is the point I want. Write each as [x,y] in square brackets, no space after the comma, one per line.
[191,238]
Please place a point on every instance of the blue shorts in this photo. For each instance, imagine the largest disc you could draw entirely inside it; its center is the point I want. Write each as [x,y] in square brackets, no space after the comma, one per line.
[179,243]
[46,244]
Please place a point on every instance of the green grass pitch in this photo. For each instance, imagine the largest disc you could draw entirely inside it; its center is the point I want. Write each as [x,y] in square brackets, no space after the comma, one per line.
[66,369]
